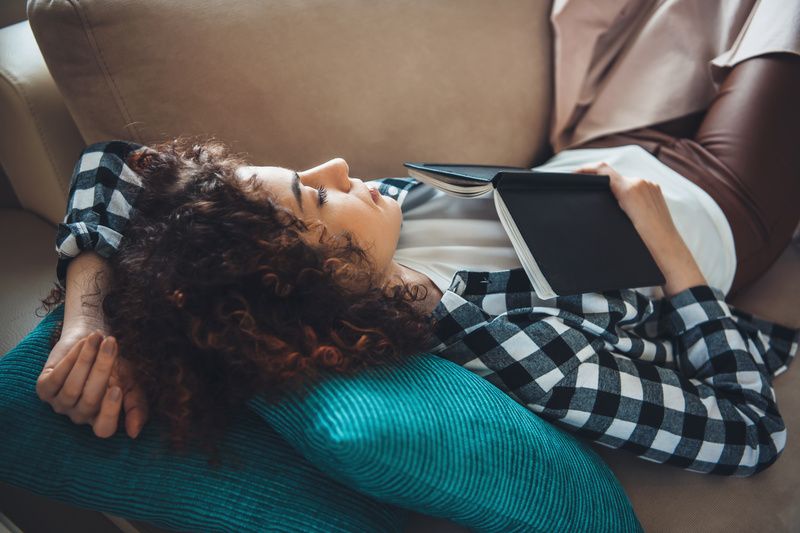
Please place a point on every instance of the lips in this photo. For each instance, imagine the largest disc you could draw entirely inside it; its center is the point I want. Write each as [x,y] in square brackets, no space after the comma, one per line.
[375,194]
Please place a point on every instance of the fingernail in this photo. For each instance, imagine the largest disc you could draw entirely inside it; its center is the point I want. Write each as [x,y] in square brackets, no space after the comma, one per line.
[106,347]
[116,393]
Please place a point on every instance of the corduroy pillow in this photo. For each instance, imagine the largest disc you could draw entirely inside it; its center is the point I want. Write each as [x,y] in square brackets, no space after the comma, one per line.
[431,436]
[262,485]
[427,435]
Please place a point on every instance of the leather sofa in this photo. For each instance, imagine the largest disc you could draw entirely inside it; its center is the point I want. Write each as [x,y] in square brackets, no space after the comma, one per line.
[294,84]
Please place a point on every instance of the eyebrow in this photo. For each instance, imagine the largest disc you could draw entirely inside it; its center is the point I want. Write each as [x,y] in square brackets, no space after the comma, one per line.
[296,189]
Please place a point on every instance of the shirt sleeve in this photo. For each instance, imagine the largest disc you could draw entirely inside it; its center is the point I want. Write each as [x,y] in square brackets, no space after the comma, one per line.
[714,413]
[102,195]
[674,380]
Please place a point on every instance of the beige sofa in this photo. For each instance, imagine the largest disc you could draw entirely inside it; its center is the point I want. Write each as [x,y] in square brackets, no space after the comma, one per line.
[293,84]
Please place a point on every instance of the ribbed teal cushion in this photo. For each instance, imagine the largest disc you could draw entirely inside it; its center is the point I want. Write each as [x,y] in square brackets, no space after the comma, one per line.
[432,436]
[427,435]
[271,487]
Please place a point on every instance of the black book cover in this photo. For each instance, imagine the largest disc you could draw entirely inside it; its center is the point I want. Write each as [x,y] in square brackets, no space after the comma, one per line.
[578,235]
[581,238]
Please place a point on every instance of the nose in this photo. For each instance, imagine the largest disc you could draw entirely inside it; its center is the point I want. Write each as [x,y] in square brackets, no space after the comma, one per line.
[333,173]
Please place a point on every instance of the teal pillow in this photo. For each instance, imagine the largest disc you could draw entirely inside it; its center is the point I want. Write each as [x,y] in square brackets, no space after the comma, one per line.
[432,436]
[263,484]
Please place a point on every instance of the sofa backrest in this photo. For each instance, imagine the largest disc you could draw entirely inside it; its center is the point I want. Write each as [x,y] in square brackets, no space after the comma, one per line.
[296,83]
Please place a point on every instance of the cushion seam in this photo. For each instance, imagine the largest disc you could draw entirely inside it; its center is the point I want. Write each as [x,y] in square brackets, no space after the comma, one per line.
[118,98]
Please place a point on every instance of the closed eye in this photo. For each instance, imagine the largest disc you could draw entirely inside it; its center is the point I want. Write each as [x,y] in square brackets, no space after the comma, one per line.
[322,192]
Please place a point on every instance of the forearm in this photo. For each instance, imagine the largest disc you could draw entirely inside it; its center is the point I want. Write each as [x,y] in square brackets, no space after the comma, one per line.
[86,285]
[90,232]
[647,209]
[677,263]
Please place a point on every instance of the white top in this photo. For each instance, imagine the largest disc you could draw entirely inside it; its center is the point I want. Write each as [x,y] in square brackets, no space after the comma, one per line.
[432,242]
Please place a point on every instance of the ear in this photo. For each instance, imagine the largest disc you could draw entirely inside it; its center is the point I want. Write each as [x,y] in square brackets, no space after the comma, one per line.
[141,160]
[158,170]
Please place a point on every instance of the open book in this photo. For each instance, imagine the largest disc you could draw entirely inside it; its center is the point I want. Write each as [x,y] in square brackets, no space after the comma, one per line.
[569,232]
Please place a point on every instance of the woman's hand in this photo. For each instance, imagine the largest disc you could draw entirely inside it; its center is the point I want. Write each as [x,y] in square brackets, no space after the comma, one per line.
[84,379]
[644,204]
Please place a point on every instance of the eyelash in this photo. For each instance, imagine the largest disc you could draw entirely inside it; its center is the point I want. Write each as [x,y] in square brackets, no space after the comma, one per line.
[323,195]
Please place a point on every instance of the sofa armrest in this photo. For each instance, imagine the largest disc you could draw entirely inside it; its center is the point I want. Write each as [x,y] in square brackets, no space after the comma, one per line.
[39,141]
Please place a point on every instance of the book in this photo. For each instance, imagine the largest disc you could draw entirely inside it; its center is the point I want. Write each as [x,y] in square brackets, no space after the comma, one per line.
[568,230]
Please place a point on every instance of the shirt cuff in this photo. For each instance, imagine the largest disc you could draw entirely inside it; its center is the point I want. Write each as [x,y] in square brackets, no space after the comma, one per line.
[103,191]
[694,306]
[77,237]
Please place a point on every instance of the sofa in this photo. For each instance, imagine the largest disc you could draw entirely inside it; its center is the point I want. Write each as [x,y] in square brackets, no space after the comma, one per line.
[294,84]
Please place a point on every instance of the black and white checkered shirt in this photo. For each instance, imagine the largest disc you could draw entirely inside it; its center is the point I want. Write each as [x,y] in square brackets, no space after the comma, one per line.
[684,380]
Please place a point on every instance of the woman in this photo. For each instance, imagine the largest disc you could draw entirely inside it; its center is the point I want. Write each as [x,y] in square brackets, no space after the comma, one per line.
[233,280]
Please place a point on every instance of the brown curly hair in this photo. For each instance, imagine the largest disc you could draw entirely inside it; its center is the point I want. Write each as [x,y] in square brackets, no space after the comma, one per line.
[214,296]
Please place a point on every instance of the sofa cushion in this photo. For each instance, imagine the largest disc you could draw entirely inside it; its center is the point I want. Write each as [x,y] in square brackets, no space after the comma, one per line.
[263,483]
[296,83]
[431,436]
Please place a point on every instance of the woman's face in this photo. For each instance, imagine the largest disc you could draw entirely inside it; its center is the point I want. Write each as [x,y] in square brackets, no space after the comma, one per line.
[348,205]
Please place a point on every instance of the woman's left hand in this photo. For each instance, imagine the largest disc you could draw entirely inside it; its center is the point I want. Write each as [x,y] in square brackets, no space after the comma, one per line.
[644,204]
[86,381]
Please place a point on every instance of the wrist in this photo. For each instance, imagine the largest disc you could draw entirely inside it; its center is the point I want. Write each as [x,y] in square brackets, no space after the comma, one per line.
[680,283]
[86,287]
[681,272]
[677,263]
[83,323]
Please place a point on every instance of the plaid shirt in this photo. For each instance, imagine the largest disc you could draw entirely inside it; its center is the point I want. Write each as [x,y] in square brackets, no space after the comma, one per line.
[685,380]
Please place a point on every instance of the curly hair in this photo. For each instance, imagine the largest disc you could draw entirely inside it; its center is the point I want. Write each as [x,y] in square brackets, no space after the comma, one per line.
[218,293]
